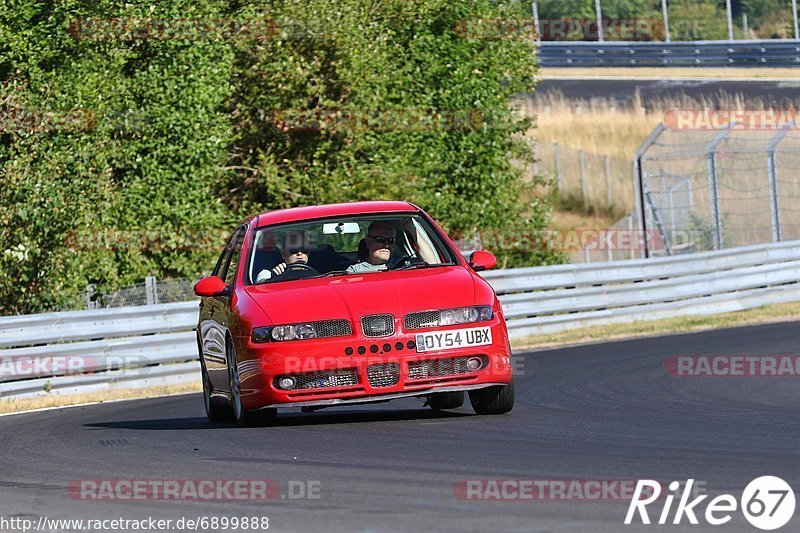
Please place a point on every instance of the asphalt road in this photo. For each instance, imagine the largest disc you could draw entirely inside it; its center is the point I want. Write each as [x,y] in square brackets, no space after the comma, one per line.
[592,412]
[772,93]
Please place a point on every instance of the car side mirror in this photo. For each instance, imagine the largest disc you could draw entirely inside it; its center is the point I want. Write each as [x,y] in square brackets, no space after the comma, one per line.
[211,286]
[482,260]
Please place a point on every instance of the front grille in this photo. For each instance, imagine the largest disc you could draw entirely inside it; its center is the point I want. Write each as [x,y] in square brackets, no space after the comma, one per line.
[333,328]
[442,367]
[377,325]
[384,374]
[322,380]
[422,319]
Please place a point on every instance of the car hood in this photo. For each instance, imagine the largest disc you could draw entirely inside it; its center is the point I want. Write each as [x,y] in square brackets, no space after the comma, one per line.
[356,295]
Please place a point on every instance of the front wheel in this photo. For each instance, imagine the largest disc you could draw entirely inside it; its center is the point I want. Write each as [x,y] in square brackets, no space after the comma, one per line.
[244,417]
[496,400]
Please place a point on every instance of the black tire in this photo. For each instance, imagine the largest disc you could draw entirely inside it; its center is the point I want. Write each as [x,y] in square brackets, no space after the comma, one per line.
[446,400]
[215,411]
[496,400]
[242,416]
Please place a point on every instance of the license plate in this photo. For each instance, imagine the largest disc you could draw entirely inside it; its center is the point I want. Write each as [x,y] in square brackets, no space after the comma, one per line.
[452,339]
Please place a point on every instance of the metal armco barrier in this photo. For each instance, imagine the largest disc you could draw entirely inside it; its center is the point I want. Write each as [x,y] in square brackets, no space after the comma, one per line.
[773,53]
[84,351]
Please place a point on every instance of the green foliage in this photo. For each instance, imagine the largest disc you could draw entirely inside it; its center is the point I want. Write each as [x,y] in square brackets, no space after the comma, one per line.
[182,135]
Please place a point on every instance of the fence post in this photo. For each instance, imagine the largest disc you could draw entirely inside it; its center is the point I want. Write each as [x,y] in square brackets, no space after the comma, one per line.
[535,9]
[794,17]
[90,302]
[151,290]
[582,159]
[599,14]
[729,12]
[535,161]
[665,14]
[607,161]
[558,169]
[630,234]
[712,186]
[639,183]
[773,183]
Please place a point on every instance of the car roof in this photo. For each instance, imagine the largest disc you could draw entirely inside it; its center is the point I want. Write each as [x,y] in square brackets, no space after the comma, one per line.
[297,214]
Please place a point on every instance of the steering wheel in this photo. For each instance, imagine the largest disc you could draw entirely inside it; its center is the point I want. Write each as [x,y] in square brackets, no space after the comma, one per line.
[406,260]
[300,266]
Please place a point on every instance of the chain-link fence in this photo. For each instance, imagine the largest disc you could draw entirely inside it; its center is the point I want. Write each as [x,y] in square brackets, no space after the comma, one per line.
[595,180]
[152,291]
[715,189]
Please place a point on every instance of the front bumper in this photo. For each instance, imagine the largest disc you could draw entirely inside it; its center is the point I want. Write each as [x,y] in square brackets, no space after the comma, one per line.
[379,374]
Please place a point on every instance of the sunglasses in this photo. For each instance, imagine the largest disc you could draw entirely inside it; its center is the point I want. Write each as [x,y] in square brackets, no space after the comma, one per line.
[382,240]
[292,251]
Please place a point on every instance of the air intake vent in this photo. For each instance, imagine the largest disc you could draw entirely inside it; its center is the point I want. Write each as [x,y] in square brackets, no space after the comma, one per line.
[384,374]
[322,380]
[443,367]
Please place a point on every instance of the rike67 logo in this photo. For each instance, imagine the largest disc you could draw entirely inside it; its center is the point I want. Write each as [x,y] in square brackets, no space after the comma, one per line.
[767,503]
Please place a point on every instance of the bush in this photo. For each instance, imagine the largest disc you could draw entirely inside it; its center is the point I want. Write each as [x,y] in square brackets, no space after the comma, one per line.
[184,137]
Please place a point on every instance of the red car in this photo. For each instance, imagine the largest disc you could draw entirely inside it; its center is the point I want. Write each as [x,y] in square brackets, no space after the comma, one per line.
[349,303]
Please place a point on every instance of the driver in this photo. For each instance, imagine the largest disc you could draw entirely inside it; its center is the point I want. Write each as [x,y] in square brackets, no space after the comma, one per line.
[294,251]
[380,241]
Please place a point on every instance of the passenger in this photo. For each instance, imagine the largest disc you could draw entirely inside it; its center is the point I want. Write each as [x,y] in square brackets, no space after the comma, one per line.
[294,251]
[379,241]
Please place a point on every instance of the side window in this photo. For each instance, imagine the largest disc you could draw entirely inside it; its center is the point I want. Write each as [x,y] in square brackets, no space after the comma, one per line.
[225,259]
[236,251]
[222,262]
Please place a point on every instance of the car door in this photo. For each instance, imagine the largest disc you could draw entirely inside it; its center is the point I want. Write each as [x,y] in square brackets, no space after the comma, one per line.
[215,312]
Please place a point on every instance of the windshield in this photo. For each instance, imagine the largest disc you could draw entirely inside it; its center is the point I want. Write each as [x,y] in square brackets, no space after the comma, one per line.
[344,246]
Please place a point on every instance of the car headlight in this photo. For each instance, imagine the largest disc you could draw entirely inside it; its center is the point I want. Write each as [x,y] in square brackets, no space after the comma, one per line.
[290,332]
[464,315]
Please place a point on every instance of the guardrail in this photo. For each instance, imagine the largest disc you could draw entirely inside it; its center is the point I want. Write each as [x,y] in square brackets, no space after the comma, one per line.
[770,53]
[84,351]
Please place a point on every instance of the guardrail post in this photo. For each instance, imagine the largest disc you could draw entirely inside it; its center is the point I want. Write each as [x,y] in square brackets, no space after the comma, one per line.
[773,183]
[607,164]
[582,160]
[558,169]
[712,186]
[151,290]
